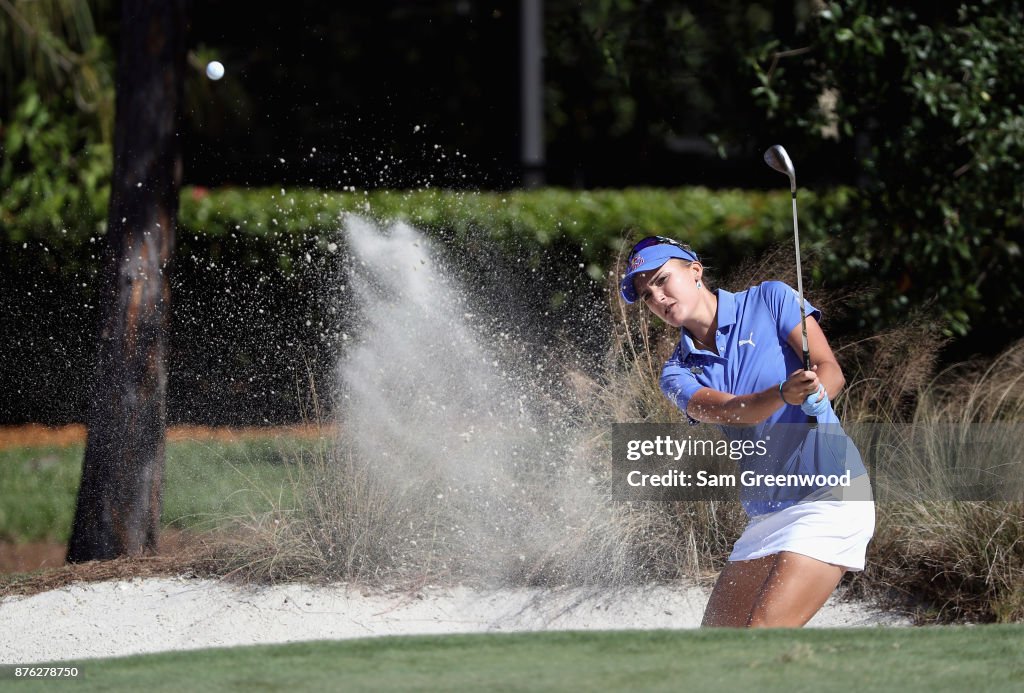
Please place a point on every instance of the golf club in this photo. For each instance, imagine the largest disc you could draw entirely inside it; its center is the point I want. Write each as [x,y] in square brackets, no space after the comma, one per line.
[778,159]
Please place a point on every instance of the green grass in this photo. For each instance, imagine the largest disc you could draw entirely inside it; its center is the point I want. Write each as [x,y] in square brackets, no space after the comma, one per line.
[986,658]
[37,492]
[204,483]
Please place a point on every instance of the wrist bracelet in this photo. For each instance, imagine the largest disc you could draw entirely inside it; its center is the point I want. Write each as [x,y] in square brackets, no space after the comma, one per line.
[782,395]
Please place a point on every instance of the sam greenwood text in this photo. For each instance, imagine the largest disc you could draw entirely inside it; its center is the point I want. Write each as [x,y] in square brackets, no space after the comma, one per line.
[702,478]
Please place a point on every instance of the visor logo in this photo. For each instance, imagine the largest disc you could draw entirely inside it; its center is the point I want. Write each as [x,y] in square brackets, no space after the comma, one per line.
[637,261]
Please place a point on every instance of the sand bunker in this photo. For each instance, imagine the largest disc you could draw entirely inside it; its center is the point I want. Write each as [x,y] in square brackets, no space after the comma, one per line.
[118,618]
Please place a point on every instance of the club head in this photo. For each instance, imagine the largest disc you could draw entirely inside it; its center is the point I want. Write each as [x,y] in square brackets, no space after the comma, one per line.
[776,157]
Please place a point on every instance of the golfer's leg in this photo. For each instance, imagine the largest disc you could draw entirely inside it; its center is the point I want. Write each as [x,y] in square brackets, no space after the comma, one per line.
[796,588]
[735,592]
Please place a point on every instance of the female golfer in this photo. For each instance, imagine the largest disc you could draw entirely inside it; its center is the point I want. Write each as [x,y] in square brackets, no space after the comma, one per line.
[738,364]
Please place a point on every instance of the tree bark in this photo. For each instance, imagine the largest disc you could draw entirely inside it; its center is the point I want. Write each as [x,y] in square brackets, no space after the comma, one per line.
[119,499]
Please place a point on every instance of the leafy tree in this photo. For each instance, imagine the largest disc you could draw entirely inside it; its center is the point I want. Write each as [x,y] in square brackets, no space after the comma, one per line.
[54,168]
[929,94]
[55,44]
[56,114]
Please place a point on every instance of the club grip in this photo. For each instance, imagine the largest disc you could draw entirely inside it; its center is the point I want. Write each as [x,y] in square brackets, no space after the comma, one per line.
[811,421]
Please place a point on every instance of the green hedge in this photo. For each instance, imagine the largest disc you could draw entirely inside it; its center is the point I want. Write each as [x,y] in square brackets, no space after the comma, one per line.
[595,220]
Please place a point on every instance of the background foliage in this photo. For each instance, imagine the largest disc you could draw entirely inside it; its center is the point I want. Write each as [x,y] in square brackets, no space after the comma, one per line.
[929,94]
[904,122]
[56,116]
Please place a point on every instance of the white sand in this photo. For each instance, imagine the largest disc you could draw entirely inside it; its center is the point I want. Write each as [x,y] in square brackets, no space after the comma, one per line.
[152,615]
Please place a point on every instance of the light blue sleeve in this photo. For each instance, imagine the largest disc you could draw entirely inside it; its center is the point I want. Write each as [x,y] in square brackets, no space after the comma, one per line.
[679,385]
[783,303]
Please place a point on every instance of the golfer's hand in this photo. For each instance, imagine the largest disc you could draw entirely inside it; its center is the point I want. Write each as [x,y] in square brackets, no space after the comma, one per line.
[799,385]
[816,403]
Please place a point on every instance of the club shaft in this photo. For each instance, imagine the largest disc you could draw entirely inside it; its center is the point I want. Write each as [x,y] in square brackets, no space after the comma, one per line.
[800,286]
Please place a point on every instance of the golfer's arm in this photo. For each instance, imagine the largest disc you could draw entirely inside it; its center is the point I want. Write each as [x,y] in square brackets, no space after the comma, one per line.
[715,406]
[829,373]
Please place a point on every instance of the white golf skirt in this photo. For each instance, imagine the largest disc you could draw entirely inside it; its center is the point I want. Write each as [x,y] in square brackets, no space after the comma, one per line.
[832,531]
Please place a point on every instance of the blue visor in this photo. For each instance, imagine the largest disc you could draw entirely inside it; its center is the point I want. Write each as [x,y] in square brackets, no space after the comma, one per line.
[647,259]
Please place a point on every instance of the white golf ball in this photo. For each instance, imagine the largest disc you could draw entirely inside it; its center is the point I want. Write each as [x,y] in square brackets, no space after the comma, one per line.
[214,70]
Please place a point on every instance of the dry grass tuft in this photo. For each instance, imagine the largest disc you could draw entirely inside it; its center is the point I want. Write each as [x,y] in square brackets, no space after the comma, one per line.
[887,373]
[977,392]
[950,561]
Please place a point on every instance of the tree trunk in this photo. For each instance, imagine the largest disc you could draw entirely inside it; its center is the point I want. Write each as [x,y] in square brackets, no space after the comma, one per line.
[119,498]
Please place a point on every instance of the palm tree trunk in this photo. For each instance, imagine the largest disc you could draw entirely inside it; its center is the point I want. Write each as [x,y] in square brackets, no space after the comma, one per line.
[119,499]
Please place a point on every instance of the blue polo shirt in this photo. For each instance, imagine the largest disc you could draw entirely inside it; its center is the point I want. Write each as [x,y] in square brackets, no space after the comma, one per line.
[754,355]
